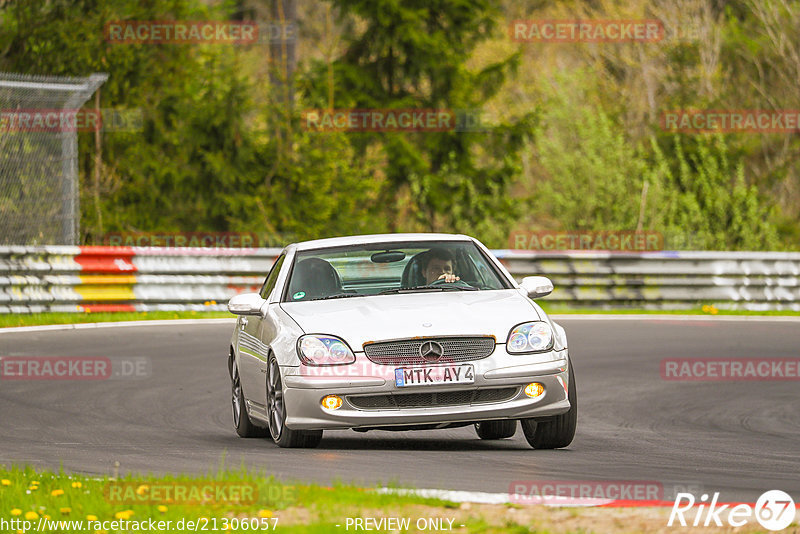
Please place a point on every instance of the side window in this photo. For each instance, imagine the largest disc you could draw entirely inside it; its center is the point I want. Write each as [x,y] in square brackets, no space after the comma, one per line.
[272,278]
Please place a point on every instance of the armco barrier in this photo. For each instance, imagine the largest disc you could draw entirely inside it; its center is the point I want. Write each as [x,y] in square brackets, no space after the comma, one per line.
[666,279]
[38,279]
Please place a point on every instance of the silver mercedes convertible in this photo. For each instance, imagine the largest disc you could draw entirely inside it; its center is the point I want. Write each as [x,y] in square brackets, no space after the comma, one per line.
[398,332]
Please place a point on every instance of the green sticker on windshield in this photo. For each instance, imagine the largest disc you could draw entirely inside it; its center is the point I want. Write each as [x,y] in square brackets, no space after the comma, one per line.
[299,295]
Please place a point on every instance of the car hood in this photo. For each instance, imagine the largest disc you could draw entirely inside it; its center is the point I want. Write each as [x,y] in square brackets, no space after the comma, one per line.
[359,320]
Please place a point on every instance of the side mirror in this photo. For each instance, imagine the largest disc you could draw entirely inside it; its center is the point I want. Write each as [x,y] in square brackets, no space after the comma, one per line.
[536,286]
[246,304]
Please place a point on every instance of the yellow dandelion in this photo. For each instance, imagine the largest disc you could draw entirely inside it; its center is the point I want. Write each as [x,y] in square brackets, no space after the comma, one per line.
[91,517]
[57,492]
[5,482]
[264,513]
[77,485]
[16,511]
[33,488]
[31,516]
[46,516]
[162,508]
[65,510]
[36,482]
[125,514]
[141,490]
[706,308]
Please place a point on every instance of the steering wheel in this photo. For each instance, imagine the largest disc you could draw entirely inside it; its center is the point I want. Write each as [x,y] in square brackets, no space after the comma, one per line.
[442,281]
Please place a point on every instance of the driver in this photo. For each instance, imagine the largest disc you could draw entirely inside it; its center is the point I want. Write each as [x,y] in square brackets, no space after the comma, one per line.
[438,265]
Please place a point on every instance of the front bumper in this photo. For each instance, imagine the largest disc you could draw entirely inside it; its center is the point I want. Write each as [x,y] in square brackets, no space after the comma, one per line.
[303,391]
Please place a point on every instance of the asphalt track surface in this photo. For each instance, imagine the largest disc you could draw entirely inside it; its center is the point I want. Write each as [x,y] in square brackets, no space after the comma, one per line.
[738,438]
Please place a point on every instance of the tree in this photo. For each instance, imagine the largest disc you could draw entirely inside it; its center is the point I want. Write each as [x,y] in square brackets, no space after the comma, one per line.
[700,191]
[414,55]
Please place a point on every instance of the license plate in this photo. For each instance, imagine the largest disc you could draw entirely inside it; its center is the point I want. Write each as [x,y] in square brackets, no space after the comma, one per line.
[430,376]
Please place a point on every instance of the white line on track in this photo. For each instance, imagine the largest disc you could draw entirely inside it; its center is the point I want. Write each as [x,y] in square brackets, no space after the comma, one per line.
[450,495]
[558,317]
[668,317]
[120,324]
[480,497]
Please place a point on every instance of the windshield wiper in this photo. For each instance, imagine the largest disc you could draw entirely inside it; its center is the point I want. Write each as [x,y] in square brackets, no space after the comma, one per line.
[427,288]
[339,296]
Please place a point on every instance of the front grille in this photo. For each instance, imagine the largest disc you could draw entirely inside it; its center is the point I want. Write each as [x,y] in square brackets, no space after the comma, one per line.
[406,352]
[428,400]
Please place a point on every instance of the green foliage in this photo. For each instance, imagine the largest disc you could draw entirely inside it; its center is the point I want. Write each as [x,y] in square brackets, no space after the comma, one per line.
[221,151]
[596,176]
[702,193]
[414,55]
[326,191]
[200,163]
[594,173]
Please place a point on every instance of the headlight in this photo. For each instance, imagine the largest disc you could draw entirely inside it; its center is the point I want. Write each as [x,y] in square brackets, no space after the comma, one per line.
[536,336]
[316,349]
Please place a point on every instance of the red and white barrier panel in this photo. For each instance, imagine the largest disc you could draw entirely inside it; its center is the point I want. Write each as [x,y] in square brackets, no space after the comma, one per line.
[38,279]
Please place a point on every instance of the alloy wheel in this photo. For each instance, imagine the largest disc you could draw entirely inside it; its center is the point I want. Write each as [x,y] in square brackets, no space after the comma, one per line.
[275,405]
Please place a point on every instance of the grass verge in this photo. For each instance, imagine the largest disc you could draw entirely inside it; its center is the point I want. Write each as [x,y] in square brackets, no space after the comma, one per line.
[705,310]
[49,501]
[35,319]
[221,500]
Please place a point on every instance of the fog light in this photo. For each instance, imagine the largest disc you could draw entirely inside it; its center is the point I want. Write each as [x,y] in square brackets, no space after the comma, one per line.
[534,390]
[332,402]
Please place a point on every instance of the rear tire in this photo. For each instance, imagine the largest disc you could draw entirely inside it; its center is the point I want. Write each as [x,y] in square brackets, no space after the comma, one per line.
[241,421]
[276,413]
[555,432]
[496,429]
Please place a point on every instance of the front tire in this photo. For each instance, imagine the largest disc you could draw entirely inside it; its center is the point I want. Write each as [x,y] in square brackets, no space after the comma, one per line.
[241,421]
[276,413]
[490,430]
[558,431]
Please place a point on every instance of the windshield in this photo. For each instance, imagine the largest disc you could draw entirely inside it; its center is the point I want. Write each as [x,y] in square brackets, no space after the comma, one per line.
[407,267]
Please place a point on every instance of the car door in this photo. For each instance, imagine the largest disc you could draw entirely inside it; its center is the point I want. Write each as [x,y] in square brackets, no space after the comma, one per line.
[254,339]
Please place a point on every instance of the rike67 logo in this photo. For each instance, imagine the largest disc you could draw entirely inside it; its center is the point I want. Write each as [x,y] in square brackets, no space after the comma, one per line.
[774,510]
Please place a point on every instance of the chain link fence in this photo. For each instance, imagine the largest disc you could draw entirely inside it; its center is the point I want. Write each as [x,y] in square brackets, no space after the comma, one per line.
[39,190]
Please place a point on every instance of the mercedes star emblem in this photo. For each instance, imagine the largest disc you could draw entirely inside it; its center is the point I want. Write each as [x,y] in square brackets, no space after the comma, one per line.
[431,351]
